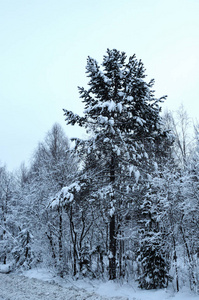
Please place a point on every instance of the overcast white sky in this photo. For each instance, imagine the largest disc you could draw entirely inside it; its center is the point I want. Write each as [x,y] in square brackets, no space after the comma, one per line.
[44,45]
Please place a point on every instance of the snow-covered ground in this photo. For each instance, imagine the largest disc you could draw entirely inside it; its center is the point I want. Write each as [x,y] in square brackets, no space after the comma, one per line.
[15,287]
[41,284]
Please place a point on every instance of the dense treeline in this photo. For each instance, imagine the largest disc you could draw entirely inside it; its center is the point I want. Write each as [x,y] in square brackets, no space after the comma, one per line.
[121,204]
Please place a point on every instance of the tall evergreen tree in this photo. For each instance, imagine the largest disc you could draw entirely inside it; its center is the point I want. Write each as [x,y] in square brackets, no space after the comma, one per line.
[122,117]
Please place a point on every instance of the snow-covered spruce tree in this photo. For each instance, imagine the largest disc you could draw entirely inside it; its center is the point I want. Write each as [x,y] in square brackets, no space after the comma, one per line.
[122,117]
[153,254]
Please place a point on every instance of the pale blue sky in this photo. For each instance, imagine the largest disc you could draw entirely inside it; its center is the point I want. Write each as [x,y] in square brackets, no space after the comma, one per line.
[43,49]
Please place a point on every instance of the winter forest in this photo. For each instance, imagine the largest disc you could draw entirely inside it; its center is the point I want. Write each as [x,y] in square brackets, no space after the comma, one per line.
[121,204]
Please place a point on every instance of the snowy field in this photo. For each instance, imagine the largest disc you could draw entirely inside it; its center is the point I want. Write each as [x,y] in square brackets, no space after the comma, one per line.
[39,284]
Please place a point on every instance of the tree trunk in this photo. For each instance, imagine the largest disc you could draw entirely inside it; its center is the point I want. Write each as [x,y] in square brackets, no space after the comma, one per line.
[60,237]
[193,281]
[49,236]
[74,258]
[60,242]
[121,260]
[112,248]
[112,231]
[74,241]
[175,262]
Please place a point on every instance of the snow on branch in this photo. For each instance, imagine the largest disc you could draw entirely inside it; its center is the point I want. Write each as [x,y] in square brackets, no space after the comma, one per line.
[135,171]
[65,196]
[72,118]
